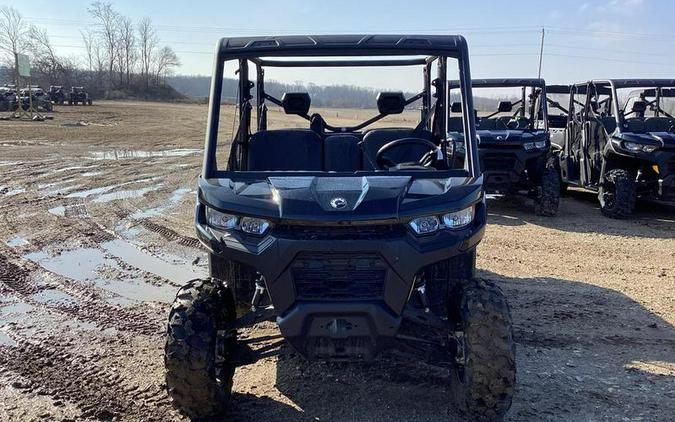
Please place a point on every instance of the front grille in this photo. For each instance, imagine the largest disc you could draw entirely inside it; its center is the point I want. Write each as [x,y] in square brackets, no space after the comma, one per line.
[671,166]
[365,232]
[339,276]
[498,164]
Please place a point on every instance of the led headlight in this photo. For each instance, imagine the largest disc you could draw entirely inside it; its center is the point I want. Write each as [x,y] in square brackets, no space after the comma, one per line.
[632,146]
[458,219]
[529,146]
[256,226]
[637,147]
[425,225]
[219,220]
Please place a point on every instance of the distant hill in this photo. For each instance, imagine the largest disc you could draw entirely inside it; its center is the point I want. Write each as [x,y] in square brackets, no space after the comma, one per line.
[339,96]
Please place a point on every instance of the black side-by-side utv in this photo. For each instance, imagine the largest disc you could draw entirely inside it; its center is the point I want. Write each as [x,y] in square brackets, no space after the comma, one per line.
[57,94]
[621,146]
[513,140]
[78,94]
[354,240]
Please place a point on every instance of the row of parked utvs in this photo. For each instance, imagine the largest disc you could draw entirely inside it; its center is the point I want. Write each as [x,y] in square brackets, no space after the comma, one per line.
[358,240]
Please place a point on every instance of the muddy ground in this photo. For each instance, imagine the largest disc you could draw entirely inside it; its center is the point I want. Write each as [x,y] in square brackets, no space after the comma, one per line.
[96,235]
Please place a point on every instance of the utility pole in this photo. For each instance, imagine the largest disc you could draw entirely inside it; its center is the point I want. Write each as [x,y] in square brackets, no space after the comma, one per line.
[541,52]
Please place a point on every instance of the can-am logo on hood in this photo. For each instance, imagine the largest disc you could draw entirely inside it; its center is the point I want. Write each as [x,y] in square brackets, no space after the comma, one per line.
[338,203]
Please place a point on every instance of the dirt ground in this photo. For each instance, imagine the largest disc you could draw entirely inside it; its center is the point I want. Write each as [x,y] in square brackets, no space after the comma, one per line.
[96,235]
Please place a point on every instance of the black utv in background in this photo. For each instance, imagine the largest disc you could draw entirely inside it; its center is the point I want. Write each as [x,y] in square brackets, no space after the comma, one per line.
[620,142]
[56,94]
[513,140]
[35,96]
[354,240]
[8,98]
[79,95]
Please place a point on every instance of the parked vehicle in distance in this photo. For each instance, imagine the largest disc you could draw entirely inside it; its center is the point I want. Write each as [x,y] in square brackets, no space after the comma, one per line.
[513,140]
[57,95]
[620,142]
[354,240]
[79,95]
[8,98]
[37,98]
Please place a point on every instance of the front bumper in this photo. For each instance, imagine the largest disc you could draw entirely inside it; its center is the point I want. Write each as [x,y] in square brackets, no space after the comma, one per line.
[340,297]
[511,169]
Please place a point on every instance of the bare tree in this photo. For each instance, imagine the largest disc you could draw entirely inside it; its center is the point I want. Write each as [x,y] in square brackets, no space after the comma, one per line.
[128,46]
[14,36]
[167,60]
[89,45]
[147,43]
[44,57]
[108,20]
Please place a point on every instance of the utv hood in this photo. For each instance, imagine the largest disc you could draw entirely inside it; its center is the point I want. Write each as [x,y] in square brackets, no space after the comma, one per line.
[665,140]
[508,137]
[340,199]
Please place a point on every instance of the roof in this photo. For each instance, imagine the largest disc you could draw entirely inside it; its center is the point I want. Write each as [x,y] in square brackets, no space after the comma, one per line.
[501,82]
[632,83]
[342,45]
[558,89]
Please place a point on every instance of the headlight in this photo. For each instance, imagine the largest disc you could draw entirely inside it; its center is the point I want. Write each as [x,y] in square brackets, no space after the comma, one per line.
[256,226]
[637,147]
[529,146]
[249,225]
[219,220]
[425,225]
[459,219]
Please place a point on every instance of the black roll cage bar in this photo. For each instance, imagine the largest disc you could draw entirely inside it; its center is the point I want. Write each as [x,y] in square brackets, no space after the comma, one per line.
[435,48]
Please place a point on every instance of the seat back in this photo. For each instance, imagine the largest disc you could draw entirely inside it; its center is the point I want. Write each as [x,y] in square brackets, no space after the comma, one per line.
[375,139]
[284,150]
[341,152]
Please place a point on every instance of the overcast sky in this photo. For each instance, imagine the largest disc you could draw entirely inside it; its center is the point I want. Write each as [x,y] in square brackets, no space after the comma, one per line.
[584,39]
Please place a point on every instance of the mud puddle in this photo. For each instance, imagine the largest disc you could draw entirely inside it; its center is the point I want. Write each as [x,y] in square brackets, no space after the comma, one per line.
[16,241]
[177,271]
[126,194]
[121,154]
[175,198]
[88,265]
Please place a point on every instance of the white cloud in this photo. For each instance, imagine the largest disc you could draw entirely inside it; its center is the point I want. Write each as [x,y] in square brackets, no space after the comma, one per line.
[625,6]
[607,32]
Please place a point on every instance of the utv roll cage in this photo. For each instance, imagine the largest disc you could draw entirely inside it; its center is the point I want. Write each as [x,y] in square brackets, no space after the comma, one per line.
[610,106]
[337,51]
[536,87]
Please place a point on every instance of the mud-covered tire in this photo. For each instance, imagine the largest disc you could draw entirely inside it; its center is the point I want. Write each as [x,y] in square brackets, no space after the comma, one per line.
[617,194]
[548,199]
[199,383]
[484,384]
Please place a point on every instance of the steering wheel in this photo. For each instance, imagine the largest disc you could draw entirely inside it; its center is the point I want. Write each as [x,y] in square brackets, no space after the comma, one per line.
[384,163]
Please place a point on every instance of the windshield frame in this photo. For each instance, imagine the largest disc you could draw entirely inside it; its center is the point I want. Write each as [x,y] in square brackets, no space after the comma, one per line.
[262,50]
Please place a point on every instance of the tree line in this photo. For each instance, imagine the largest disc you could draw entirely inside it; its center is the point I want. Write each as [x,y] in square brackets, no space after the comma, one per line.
[121,56]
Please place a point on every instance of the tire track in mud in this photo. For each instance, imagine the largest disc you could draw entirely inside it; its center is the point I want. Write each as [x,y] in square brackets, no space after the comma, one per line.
[98,390]
[169,234]
[89,305]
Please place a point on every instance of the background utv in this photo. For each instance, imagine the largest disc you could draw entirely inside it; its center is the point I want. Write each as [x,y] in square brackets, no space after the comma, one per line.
[354,241]
[513,141]
[620,142]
